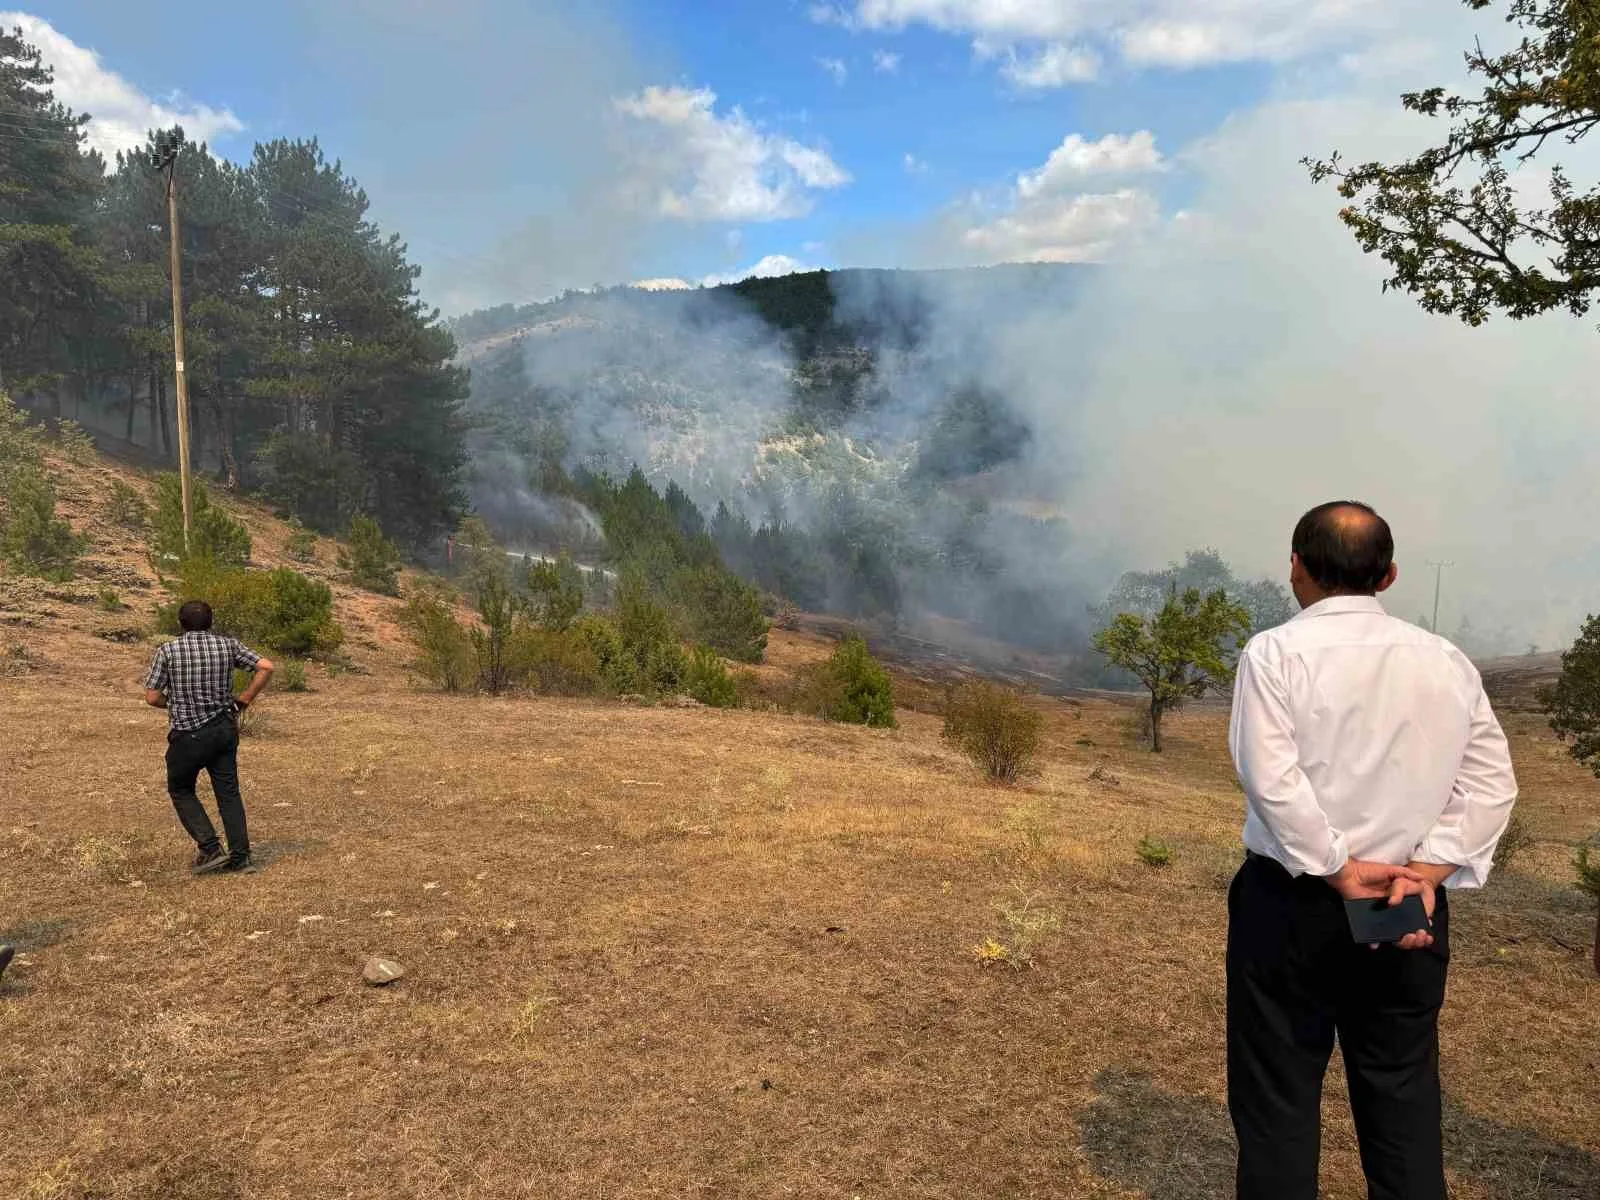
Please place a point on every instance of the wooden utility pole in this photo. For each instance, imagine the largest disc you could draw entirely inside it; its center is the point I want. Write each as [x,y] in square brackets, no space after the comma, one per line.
[1438,577]
[166,160]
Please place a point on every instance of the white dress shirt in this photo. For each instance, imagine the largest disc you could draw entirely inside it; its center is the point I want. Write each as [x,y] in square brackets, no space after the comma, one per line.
[1359,735]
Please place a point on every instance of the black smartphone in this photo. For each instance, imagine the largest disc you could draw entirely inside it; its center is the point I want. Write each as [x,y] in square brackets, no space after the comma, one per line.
[1379,921]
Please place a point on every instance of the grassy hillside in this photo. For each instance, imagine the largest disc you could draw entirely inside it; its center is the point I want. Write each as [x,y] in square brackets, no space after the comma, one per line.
[662,952]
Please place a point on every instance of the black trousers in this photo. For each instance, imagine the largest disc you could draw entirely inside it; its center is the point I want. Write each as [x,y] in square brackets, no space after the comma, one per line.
[1295,978]
[214,749]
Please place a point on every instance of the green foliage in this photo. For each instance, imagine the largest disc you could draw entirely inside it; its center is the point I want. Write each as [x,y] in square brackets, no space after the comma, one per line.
[1144,593]
[109,601]
[19,443]
[213,534]
[127,508]
[34,541]
[301,546]
[1184,651]
[722,611]
[291,676]
[1517,838]
[554,662]
[324,487]
[1574,702]
[652,662]
[708,680]
[499,609]
[445,655]
[76,444]
[280,611]
[1456,223]
[995,728]
[373,560]
[1155,853]
[555,593]
[1588,868]
[853,688]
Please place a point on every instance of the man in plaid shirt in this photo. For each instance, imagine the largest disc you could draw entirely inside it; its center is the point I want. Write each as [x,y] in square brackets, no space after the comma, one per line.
[192,678]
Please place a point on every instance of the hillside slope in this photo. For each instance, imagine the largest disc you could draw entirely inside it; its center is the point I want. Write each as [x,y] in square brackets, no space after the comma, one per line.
[661,952]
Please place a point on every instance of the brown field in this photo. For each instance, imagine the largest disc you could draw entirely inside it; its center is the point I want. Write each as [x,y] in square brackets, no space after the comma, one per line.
[667,953]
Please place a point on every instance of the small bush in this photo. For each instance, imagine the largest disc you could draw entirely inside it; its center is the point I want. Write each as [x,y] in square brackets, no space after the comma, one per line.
[279,611]
[555,593]
[373,560]
[652,662]
[1588,868]
[1517,838]
[722,611]
[127,508]
[109,601]
[34,541]
[76,444]
[301,546]
[853,688]
[708,680]
[291,676]
[554,663]
[19,442]
[994,728]
[1154,853]
[212,534]
[444,649]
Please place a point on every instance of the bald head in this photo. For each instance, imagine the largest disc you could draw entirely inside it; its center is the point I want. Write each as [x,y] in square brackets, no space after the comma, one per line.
[1345,548]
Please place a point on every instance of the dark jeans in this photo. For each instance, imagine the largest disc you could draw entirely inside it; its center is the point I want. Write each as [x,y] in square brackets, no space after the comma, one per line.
[213,748]
[1295,977]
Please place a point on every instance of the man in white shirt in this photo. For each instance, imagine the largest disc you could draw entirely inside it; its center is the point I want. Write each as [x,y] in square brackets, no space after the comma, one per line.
[1372,765]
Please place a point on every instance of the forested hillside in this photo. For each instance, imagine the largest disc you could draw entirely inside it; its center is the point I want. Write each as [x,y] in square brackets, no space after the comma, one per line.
[316,374]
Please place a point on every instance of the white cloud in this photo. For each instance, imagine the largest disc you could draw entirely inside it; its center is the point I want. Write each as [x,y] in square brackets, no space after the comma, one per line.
[1076,228]
[122,114]
[835,67]
[1077,159]
[1054,65]
[1051,43]
[885,62]
[915,165]
[769,267]
[691,163]
[665,284]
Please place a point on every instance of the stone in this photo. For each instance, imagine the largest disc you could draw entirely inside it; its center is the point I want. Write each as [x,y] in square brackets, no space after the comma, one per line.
[380,972]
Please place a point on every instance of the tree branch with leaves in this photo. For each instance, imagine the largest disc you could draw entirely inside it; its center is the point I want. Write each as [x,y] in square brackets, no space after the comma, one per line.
[1455,222]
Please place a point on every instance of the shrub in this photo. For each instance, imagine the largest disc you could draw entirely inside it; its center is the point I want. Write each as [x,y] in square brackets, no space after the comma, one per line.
[1154,853]
[373,560]
[708,680]
[109,601]
[555,593]
[76,444]
[1588,872]
[212,534]
[491,643]
[127,508]
[445,658]
[291,676]
[993,727]
[34,540]
[302,544]
[280,611]
[554,662]
[852,687]
[19,442]
[652,660]
[723,611]
[1517,838]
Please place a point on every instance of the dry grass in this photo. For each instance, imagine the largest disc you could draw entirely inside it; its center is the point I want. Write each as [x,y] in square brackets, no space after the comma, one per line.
[657,952]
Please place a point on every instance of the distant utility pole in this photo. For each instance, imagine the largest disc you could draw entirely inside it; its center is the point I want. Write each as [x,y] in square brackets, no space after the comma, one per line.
[1438,575]
[165,159]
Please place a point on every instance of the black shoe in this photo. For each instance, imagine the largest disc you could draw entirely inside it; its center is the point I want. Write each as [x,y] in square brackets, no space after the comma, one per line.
[208,861]
[240,862]
[7,953]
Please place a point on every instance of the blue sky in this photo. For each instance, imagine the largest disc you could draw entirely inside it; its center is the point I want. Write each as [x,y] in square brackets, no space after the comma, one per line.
[498,137]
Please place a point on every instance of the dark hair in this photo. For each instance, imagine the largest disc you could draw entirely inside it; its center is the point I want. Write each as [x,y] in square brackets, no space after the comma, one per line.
[195,616]
[1345,546]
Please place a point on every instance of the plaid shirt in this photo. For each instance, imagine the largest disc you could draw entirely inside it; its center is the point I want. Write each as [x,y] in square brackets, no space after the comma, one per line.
[196,673]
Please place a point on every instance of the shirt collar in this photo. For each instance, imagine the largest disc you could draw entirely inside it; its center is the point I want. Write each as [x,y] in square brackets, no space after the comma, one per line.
[1336,606]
